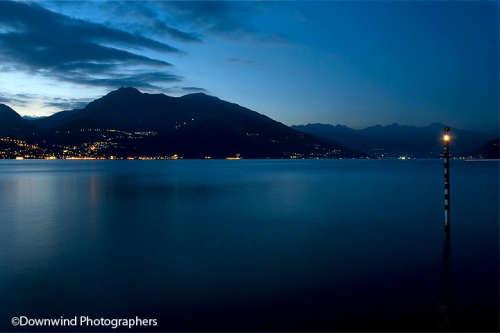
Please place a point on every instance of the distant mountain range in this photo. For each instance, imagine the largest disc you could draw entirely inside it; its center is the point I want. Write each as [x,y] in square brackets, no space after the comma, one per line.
[127,122]
[490,150]
[396,140]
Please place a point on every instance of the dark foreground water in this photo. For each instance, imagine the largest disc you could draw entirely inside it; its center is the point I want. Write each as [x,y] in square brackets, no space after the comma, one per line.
[251,245]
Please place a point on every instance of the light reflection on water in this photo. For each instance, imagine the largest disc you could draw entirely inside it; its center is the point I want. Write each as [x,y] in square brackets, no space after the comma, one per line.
[251,245]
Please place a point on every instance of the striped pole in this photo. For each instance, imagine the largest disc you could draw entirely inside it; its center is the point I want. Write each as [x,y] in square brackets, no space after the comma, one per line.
[446,141]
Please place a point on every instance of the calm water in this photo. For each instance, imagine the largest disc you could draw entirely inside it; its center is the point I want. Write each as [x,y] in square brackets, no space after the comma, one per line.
[251,245]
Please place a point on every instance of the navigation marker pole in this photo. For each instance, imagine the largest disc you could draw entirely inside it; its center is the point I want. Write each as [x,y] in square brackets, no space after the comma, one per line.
[446,156]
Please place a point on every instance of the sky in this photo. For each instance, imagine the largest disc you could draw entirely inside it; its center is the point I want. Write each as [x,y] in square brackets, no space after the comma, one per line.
[357,63]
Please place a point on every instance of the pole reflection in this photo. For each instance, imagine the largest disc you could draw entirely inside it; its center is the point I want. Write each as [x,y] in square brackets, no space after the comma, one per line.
[445,301]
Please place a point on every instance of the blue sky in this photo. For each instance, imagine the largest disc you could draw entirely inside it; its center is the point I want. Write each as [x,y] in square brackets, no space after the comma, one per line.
[357,63]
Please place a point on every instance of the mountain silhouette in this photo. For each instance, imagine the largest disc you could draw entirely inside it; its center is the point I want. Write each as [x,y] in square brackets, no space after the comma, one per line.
[193,125]
[490,150]
[127,122]
[10,121]
[395,139]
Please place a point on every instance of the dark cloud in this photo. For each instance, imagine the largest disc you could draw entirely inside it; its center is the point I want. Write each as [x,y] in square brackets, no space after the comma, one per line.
[4,100]
[67,103]
[176,33]
[143,16]
[17,99]
[147,81]
[194,89]
[215,16]
[38,40]
[226,18]
[232,19]
[147,14]
[54,102]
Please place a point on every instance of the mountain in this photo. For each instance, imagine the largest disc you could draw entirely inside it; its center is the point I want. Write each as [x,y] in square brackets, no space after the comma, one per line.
[193,125]
[33,117]
[490,150]
[127,122]
[395,140]
[10,121]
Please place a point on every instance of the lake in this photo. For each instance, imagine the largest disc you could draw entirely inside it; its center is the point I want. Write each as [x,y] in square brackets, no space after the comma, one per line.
[252,245]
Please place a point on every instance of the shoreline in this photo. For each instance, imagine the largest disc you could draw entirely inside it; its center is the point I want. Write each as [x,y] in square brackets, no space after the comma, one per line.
[246,159]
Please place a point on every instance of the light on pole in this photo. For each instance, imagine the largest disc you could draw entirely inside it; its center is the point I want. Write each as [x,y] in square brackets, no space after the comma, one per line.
[446,156]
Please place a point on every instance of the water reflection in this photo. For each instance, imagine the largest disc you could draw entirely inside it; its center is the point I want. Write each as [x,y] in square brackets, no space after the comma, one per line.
[256,245]
[446,284]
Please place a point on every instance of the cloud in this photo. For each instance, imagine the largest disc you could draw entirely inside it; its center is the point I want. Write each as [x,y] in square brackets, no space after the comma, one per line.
[176,33]
[67,103]
[150,20]
[16,99]
[231,19]
[194,89]
[143,17]
[40,41]
[215,16]
[147,81]
[4,100]
[23,100]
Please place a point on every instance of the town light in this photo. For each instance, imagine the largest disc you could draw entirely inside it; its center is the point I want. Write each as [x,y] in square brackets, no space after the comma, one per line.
[446,138]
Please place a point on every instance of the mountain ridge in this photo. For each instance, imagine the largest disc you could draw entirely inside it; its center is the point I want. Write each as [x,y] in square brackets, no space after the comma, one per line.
[395,139]
[194,125]
[199,124]
[10,120]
